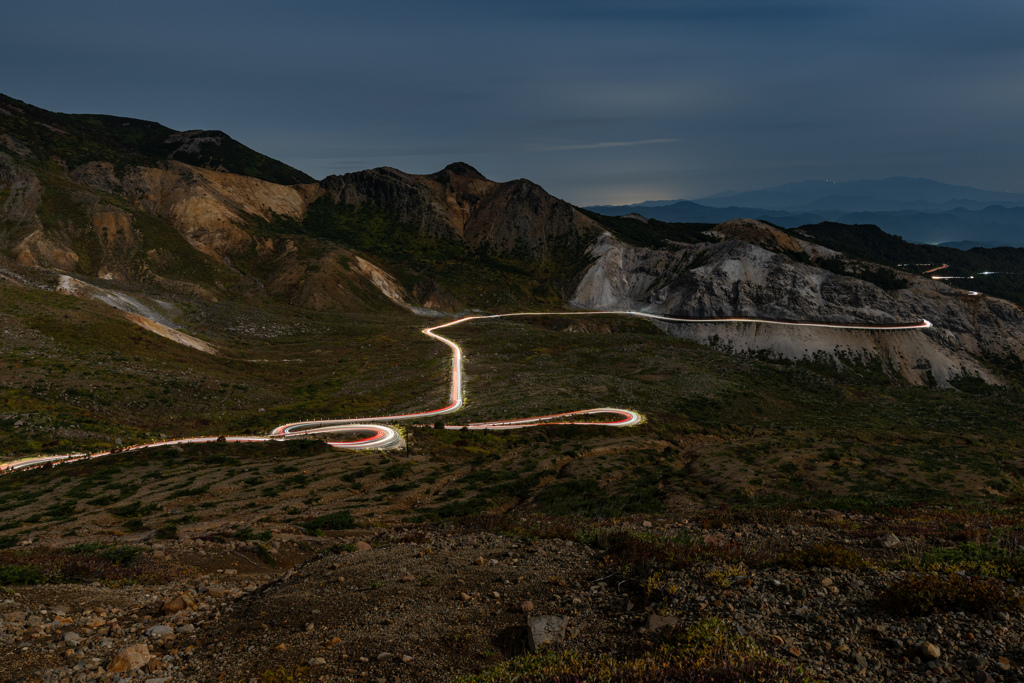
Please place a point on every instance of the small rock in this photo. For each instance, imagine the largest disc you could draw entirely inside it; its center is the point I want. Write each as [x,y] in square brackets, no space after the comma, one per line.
[187,628]
[406,658]
[129,659]
[928,651]
[889,541]
[647,524]
[465,597]
[384,656]
[526,606]
[479,561]
[549,628]
[159,631]
[177,604]
[860,661]
[656,621]
[72,638]
[408,578]
[281,646]
[230,572]
[982,676]
[154,665]
[317,661]
[363,546]
[826,582]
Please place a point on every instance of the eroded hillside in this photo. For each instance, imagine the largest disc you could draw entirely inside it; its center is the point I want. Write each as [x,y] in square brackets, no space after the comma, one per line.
[113,201]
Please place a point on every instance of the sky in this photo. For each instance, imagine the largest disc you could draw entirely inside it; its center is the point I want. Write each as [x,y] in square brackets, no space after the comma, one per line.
[599,101]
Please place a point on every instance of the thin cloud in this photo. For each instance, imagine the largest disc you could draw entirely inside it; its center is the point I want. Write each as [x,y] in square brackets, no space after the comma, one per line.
[603,145]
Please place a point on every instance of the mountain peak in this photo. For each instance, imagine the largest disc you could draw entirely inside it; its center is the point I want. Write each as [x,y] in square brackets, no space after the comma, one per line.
[461,168]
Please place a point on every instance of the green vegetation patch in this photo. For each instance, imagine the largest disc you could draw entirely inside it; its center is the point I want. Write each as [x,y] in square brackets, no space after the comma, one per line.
[709,651]
[919,594]
[334,521]
[113,564]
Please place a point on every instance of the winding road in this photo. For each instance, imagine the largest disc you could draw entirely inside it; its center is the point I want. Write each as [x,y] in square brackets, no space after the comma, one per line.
[382,436]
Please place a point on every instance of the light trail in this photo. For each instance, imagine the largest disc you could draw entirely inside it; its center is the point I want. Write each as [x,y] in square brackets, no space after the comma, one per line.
[384,437]
[456,398]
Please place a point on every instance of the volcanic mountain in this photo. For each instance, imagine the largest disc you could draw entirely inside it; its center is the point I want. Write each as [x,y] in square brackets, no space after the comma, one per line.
[196,218]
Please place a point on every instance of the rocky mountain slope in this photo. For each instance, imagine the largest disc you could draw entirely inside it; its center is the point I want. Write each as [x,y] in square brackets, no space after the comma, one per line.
[113,201]
[760,271]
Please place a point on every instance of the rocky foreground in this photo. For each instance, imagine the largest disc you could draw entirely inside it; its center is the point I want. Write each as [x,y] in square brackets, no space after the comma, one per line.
[432,605]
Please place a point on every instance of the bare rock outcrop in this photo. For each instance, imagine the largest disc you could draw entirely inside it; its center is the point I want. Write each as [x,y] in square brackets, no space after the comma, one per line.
[209,207]
[741,279]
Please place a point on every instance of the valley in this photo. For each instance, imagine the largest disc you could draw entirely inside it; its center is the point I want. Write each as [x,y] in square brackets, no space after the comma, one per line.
[388,417]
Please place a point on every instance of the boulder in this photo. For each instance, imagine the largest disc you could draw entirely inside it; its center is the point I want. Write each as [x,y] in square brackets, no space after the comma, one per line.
[549,628]
[129,659]
[656,621]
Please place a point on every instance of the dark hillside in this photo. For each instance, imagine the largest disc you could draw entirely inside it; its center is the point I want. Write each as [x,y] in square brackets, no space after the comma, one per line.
[871,243]
[76,139]
[651,233]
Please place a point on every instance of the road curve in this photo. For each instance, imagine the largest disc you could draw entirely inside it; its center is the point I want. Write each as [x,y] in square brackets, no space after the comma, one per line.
[383,436]
[456,397]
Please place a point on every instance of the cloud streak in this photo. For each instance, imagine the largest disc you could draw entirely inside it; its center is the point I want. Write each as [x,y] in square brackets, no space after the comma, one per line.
[607,145]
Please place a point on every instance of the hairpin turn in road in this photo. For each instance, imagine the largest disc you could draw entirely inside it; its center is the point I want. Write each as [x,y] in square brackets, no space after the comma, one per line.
[383,436]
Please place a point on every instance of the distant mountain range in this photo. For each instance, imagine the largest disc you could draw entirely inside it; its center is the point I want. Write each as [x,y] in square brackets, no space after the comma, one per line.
[917,209]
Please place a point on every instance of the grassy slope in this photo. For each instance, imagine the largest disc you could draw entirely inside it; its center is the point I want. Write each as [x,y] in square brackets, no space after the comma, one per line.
[76,375]
[720,428]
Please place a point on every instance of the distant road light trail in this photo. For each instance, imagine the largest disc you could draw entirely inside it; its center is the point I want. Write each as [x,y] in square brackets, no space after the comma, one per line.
[385,437]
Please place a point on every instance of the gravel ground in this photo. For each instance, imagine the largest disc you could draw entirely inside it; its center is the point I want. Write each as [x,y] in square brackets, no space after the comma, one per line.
[428,606]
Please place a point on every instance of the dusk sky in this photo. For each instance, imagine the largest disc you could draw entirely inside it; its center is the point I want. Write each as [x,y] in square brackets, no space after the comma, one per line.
[599,101]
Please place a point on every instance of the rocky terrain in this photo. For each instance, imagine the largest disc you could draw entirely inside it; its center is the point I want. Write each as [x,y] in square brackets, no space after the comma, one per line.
[434,604]
[798,505]
[750,274]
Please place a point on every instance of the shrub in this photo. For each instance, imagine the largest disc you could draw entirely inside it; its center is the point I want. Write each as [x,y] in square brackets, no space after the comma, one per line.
[265,555]
[586,497]
[648,550]
[167,531]
[396,471]
[8,542]
[136,509]
[706,652]
[283,675]
[113,564]
[135,524]
[820,555]
[18,575]
[247,534]
[922,593]
[334,521]
[122,554]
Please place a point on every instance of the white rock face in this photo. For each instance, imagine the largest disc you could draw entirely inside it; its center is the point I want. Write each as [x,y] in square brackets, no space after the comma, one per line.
[739,279]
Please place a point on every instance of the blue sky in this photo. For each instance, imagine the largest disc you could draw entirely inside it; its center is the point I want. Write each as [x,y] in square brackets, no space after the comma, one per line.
[600,101]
